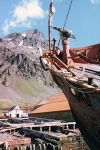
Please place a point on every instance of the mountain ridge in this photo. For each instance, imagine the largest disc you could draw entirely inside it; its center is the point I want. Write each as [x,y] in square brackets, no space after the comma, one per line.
[20,70]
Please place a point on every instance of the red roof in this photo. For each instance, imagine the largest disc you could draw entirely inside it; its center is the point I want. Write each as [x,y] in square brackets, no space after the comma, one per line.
[57,103]
[27,107]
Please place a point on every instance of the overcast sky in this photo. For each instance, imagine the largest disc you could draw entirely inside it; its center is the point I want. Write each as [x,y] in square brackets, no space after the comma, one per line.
[22,15]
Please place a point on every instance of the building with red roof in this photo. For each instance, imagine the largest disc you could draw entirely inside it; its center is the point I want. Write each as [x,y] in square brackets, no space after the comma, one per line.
[57,107]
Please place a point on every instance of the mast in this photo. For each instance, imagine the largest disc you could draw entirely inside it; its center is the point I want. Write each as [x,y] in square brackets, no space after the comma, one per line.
[51,11]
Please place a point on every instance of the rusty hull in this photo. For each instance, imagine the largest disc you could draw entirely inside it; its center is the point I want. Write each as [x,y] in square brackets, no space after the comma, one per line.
[85,107]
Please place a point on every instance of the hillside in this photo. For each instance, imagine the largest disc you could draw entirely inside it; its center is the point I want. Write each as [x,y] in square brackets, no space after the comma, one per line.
[22,78]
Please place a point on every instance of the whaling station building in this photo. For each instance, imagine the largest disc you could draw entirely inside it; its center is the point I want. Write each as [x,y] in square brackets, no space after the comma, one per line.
[56,108]
[18,112]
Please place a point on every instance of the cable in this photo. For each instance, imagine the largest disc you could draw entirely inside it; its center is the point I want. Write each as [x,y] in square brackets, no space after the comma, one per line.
[67,14]
[66,18]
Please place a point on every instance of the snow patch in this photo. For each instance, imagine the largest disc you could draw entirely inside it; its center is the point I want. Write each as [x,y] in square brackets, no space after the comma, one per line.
[30,47]
[6,39]
[21,43]
[23,34]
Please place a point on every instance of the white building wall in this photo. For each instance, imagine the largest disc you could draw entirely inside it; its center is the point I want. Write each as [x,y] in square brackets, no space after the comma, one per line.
[25,114]
[16,112]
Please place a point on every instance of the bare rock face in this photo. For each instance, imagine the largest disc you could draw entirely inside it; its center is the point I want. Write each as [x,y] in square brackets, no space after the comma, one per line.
[19,58]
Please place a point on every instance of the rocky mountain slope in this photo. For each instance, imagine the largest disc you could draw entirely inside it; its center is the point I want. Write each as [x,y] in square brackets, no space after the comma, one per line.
[22,78]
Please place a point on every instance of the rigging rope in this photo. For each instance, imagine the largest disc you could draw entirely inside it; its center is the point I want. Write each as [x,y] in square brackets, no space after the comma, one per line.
[66,18]
[67,14]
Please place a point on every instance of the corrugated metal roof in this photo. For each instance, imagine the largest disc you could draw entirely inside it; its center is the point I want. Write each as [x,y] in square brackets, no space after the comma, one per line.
[56,103]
